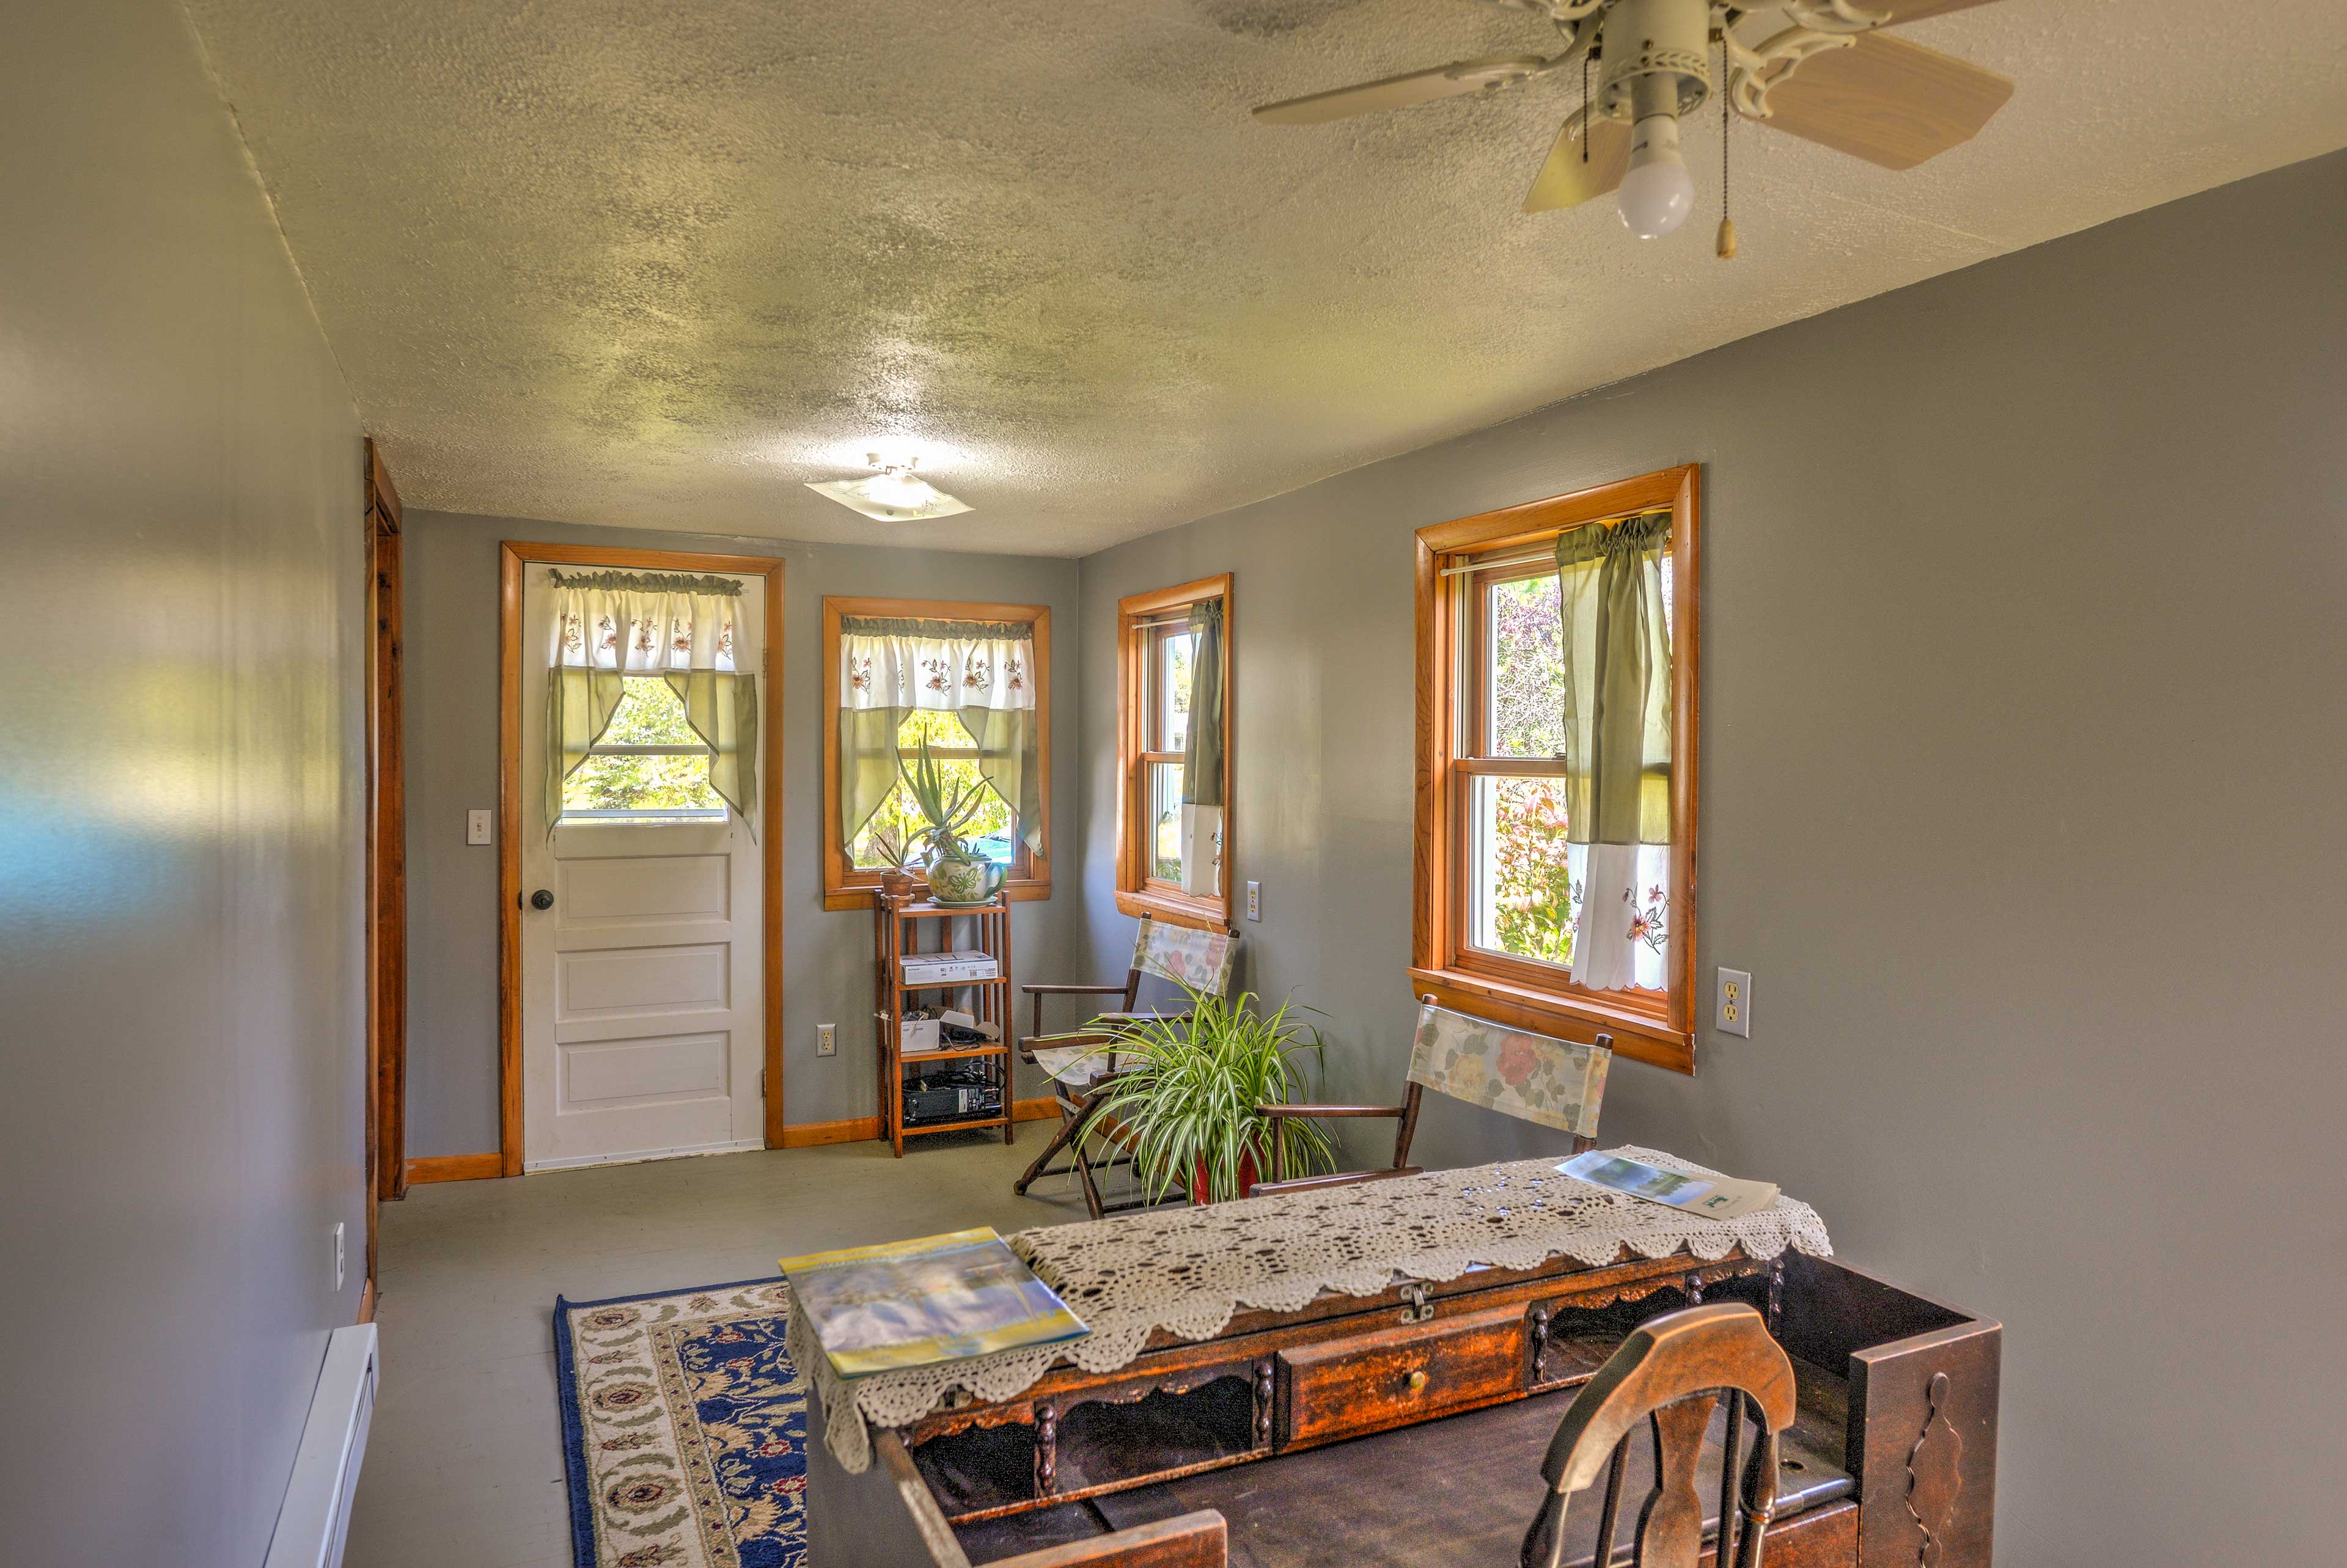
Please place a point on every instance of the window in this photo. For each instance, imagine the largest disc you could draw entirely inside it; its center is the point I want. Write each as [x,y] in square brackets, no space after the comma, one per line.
[1523,914]
[973,682]
[1173,832]
[648,763]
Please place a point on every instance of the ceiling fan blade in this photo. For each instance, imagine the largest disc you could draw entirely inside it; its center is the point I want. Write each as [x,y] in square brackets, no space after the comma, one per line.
[1886,100]
[1402,91]
[1917,10]
[1564,181]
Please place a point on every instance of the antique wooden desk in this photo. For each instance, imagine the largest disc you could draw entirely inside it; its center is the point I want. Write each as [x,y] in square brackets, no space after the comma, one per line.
[1408,1429]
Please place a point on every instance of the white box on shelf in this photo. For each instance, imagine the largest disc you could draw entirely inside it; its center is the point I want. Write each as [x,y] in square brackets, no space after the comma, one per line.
[940,969]
[917,1035]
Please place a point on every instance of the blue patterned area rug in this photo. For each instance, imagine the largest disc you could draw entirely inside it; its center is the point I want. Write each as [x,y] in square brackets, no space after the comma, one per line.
[683,1430]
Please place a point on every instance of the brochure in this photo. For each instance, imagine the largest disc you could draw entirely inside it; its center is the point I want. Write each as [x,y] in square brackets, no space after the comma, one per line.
[916,1303]
[1716,1197]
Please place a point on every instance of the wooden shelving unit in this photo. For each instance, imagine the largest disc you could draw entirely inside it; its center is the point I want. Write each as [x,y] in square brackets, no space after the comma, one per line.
[910,926]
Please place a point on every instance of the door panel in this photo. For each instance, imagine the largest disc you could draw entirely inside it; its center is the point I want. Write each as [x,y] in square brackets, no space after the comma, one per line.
[642,991]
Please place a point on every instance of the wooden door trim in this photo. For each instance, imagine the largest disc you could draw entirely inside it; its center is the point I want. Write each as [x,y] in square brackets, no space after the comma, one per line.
[386,857]
[513,556]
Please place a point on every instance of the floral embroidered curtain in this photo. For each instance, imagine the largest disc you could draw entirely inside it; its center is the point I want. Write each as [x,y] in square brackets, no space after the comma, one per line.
[1618,739]
[608,625]
[982,671]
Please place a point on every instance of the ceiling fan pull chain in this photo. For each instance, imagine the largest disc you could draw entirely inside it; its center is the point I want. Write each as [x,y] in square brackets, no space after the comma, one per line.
[1726,246]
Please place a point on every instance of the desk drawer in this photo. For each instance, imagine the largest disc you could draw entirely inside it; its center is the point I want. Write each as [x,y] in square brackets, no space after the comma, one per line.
[1405,1374]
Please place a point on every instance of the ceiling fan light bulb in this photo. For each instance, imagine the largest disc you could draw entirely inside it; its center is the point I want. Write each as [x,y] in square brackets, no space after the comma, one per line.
[1657,191]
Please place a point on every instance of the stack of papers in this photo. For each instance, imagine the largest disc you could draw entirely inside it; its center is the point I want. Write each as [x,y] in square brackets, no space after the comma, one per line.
[1716,1197]
[918,1302]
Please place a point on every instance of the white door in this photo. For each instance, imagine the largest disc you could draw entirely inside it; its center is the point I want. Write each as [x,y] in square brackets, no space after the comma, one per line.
[643,987]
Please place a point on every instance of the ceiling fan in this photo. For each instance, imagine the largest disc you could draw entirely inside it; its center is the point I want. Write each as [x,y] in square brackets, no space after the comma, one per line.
[1821,69]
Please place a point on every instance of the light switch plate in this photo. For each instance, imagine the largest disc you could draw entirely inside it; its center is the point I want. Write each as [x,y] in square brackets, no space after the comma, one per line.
[1254,900]
[1735,1010]
[477,826]
[338,1254]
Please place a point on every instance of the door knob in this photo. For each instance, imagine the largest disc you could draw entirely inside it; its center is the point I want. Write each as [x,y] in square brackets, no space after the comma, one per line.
[541,899]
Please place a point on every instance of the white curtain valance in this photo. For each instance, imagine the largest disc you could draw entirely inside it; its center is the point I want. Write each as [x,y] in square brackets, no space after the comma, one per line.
[942,666]
[644,625]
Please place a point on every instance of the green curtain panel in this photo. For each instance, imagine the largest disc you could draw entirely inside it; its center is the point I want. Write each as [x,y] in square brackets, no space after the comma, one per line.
[1008,759]
[579,707]
[723,710]
[1202,747]
[1617,685]
[867,765]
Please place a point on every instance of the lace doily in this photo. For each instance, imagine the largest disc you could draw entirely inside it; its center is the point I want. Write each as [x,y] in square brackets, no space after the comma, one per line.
[1186,1270]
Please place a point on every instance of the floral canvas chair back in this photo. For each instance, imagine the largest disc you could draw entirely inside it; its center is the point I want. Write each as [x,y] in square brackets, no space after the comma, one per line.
[1178,956]
[1533,1077]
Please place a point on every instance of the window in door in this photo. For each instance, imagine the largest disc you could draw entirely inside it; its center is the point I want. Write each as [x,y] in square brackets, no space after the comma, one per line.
[1174,754]
[648,766]
[1554,882]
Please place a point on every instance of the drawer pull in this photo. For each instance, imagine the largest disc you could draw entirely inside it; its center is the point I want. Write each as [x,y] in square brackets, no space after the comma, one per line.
[1418,1380]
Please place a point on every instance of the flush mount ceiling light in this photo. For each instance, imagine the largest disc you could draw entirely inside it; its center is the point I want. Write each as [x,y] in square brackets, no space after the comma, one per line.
[893,495]
[1858,90]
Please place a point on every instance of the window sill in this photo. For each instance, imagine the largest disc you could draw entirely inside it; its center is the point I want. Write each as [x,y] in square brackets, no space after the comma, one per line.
[1176,910]
[1021,890]
[1637,1035]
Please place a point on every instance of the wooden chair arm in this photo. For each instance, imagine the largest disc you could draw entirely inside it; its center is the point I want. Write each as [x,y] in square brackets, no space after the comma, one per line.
[1116,990]
[1317,1112]
[1342,1179]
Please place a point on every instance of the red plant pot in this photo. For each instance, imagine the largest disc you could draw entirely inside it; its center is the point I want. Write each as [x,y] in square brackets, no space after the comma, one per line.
[1248,1176]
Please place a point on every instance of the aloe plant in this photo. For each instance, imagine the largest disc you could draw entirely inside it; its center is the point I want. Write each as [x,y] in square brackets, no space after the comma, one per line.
[946,804]
[1187,1088]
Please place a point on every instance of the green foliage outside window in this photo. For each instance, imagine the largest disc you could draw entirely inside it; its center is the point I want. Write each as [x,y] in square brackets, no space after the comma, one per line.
[650,714]
[901,821]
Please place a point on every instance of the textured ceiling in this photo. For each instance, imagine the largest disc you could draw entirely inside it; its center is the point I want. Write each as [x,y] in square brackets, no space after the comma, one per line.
[657,264]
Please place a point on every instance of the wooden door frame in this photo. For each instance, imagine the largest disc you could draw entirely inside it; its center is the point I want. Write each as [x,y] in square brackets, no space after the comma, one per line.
[514,555]
[385,854]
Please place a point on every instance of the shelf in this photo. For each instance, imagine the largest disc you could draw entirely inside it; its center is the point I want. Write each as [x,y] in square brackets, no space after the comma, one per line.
[910,1129]
[940,912]
[955,1054]
[947,985]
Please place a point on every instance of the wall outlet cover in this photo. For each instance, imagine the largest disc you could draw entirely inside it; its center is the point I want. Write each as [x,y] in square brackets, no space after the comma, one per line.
[338,1254]
[1254,900]
[1734,1013]
[826,1039]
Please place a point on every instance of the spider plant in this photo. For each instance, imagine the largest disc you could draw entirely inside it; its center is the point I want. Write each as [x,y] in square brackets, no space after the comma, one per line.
[946,805]
[1187,1086]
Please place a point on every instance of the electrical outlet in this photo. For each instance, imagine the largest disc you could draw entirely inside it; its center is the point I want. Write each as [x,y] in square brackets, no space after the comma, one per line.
[1254,900]
[1735,1012]
[338,1254]
[477,826]
[826,1039]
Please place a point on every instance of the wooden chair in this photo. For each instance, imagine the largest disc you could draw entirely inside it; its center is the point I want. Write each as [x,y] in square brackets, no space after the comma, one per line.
[1672,1373]
[1200,959]
[1443,1039]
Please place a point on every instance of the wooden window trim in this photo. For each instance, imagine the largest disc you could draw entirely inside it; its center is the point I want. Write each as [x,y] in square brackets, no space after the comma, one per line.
[1138,892]
[1655,1030]
[843,886]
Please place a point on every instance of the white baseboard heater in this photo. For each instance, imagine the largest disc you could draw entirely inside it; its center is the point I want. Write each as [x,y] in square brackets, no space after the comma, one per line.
[316,1516]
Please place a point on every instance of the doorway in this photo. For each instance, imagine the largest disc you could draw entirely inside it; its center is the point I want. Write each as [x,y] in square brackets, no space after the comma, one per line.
[641,1005]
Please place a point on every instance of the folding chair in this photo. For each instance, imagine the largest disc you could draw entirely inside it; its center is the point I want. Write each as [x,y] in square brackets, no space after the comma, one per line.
[1535,1077]
[1203,960]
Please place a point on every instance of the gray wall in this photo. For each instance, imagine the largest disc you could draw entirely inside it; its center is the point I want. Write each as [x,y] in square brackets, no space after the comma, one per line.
[181,1052]
[2022,755]
[452,718]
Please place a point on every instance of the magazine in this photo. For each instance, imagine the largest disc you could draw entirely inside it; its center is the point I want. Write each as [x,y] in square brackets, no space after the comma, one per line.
[916,1303]
[1716,1197]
